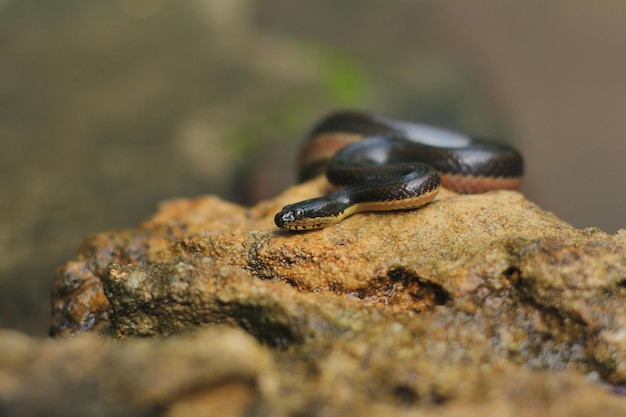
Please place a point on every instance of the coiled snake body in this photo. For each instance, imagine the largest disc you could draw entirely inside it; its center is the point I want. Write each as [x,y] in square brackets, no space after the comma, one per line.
[377,164]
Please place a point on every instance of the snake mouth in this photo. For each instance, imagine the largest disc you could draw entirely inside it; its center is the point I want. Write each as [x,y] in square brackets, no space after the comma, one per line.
[309,224]
[295,219]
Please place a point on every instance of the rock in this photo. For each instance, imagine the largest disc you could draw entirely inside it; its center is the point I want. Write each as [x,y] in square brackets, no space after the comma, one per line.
[217,371]
[224,372]
[477,304]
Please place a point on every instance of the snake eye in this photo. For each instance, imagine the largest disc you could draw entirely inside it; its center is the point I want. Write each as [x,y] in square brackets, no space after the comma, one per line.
[298,213]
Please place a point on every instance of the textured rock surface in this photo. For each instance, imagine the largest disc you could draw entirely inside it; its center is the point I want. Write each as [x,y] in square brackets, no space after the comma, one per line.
[474,304]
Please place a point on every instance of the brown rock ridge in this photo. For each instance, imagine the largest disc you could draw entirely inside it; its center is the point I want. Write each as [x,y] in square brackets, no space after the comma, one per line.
[458,305]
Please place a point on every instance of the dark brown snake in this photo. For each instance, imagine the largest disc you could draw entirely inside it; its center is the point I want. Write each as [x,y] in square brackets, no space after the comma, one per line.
[377,164]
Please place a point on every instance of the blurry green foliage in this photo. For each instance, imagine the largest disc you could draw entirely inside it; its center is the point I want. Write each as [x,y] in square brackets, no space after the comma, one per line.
[345,80]
[342,82]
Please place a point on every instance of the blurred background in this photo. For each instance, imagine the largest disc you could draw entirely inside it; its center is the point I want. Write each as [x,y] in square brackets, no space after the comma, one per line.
[107,108]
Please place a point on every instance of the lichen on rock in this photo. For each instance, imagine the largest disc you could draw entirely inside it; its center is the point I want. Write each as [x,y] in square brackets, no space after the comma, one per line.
[392,310]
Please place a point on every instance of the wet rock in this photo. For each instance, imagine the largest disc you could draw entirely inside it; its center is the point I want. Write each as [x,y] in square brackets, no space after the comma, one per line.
[460,304]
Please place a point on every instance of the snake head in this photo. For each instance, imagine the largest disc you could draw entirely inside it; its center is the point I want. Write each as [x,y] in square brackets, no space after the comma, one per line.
[295,217]
[314,213]
[288,215]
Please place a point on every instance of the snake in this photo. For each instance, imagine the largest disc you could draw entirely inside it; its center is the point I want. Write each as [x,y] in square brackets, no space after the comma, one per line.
[376,163]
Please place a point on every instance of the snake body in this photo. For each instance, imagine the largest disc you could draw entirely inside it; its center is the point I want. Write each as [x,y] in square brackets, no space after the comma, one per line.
[376,163]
